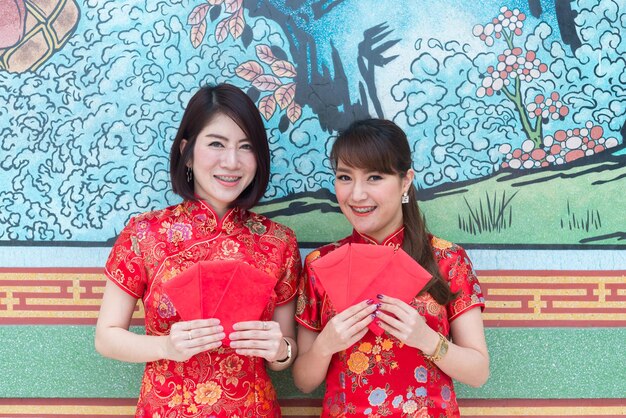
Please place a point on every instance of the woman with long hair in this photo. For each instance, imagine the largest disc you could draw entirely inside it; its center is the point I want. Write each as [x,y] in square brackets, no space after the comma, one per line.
[408,370]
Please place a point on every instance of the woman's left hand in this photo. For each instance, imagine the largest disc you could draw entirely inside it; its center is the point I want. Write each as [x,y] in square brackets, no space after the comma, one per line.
[258,338]
[408,326]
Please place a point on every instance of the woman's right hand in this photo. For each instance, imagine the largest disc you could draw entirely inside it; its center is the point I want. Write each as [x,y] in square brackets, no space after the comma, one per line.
[346,328]
[188,338]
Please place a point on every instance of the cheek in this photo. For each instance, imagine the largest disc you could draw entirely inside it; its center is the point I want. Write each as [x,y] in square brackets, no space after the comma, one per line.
[250,163]
[341,192]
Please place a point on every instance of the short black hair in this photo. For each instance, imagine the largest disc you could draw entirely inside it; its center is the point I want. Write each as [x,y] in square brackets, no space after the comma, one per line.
[208,102]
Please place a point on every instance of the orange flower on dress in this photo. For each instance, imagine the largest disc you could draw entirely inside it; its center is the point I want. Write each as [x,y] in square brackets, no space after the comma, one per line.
[441,243]
[387,344]
[231,365]
[365,348]
[358,362]
[265,392]
[175,401]
[207,393]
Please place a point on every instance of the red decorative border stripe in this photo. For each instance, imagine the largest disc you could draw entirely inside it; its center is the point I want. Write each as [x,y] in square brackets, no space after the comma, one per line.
[525,298]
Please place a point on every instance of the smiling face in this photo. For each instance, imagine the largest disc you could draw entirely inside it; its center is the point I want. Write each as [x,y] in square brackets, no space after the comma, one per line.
[371,200]
[223,163]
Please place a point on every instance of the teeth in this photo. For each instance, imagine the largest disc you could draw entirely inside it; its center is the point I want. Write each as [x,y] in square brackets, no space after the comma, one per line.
[363,210]
[227,178]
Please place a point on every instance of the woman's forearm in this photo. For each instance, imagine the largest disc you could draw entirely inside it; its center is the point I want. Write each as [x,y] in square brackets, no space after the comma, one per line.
[467,359]
[466,365]
[311,366]
[121,344]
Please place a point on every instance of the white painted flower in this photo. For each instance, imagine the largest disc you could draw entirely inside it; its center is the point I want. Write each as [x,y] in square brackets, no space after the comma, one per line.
[548,140]
[573,142]
[528,145]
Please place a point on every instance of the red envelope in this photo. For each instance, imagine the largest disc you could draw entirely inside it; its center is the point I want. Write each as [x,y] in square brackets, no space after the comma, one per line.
[229,290]
[356,272]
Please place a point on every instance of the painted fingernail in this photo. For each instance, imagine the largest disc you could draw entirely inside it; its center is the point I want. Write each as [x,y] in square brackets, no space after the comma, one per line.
[378,305]
[379,296]
[374,314]
[370,301]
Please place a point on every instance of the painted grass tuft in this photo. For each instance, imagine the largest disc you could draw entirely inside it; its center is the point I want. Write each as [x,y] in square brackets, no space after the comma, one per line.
[492,214]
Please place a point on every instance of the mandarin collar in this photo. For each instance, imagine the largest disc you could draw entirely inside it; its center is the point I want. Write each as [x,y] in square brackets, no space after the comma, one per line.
[393,240]
[202,211]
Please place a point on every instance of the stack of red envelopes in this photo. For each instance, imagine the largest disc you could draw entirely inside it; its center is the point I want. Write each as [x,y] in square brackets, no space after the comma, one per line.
[231,291]
[355,272]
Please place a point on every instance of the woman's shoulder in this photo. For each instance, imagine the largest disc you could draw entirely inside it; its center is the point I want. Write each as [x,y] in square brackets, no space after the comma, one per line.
[269,225]
[444,247]
[157,216]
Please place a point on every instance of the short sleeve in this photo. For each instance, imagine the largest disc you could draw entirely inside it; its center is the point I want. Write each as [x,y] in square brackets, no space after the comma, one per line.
[125,265]
[463,281]
[287,285]
[309,306]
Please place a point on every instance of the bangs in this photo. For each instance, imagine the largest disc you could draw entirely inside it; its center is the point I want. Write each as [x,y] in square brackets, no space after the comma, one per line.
[366,152]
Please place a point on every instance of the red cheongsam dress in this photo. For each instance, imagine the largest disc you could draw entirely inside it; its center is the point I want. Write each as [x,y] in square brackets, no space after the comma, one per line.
[156,246]
[379,376]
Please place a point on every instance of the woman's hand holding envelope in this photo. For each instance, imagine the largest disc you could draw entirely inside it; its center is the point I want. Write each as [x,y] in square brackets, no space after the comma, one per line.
[258,338]
[188,338]
[346,328]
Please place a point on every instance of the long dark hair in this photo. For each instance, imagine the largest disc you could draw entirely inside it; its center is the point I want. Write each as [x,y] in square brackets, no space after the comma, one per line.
[208,102]
[380,145]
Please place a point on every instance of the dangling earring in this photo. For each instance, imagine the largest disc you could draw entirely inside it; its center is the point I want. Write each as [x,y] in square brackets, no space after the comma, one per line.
[405,198]
[189,174]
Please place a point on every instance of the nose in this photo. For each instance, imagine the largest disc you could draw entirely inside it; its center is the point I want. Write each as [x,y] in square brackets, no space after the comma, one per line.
[230,158]
[359,192]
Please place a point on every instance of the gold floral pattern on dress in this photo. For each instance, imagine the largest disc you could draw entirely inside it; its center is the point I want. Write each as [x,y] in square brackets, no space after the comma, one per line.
[379,376]
[207,393]
[231,369]
[229,248]
[156,246]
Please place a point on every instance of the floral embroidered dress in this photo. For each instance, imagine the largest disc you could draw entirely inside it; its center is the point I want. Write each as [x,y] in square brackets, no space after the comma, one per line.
[156,246]
[379,376]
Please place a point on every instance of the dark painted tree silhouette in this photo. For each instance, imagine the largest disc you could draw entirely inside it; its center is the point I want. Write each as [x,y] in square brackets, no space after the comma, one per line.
[327,95]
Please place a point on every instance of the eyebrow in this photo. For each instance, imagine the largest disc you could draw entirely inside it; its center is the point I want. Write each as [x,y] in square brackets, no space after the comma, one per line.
[218,136]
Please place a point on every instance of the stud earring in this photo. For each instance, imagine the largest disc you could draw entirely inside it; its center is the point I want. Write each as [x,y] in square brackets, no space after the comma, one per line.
[189,174]
[405,198]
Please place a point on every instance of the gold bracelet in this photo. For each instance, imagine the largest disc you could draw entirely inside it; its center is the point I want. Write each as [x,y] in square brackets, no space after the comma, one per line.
[440,351]
[286,359]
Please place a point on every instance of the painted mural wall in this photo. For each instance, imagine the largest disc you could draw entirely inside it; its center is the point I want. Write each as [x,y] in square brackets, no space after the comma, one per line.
[516,114]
